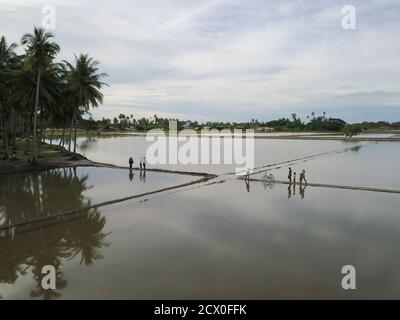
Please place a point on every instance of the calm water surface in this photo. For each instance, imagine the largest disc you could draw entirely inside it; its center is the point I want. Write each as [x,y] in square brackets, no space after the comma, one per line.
[30,195]
[211,241]
[261,243]
[370,165]
[117,150]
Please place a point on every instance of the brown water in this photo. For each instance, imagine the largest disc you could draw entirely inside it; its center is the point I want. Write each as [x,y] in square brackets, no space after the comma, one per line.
[274,243]
[31,195]
[369,165]
[210,241]
[117,150]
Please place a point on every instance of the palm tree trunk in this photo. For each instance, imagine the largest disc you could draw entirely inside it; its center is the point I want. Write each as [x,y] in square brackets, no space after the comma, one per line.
[42,131]
[28,133]
[5,134]
[62,136]
[70,134]
[15,129]
[51,136]
[76,125]
[27,138]
[35,119]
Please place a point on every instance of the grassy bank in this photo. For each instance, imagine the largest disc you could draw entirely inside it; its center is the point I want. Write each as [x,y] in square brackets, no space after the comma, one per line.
[50,156]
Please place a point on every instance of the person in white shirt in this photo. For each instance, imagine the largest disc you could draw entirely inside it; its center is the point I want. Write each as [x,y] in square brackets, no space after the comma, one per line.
[144,163]
[303,176]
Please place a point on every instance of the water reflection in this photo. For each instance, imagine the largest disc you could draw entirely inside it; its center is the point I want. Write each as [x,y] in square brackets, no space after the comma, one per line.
[291,189]
[302,191]
[30,196]
[142,176]
[26,249]
[247,185]
[87,144]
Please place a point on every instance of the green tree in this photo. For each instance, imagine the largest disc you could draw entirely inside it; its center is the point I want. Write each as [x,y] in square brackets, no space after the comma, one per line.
[351,130]
[7,64]
[84,85]
[40,53]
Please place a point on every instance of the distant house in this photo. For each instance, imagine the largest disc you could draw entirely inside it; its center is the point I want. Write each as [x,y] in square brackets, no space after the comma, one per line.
[264,129]
[131,128]
[111,128]
[187,125]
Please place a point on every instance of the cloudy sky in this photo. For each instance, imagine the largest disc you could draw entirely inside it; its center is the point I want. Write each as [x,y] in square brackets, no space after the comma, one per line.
[230,60]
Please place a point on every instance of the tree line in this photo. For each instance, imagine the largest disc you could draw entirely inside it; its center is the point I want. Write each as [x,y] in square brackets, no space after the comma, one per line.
[313,122]
[37,92]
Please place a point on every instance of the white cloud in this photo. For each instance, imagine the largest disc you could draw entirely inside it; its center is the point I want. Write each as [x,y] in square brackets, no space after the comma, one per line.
[231,60]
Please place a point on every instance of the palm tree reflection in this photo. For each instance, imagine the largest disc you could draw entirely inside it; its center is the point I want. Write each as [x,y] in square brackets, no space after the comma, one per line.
[36,195]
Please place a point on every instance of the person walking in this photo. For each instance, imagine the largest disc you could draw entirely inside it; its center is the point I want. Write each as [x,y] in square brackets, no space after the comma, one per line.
[141,163]
[303,175]
[144,163]
[130,163]
[290,175]
[294,177]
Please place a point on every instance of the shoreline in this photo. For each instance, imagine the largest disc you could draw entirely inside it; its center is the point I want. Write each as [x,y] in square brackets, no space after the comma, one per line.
[300,136]
[81,161]
[64,159]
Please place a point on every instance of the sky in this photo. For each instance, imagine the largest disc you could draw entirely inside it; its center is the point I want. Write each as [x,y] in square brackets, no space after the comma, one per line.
[230,60]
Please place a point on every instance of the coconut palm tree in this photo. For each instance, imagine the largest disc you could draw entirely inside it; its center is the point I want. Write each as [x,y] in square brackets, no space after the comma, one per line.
[40,53]
[7,64]
[84,85]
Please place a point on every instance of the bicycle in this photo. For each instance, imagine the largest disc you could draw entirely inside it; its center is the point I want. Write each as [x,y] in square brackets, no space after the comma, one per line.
[268,180]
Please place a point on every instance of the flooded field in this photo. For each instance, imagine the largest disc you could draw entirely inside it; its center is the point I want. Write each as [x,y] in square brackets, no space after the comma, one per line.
[219,239]
[369,164]
[31,195]
[274,243]
[117,150]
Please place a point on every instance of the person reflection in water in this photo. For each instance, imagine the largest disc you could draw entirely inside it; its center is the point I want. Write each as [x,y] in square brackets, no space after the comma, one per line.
[247,180]
[302,191]
[142,176]
[130,175]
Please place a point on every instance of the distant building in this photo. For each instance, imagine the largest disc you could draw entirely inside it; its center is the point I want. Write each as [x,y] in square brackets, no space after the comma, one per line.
[264,129]
[187,125]
[111,128]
